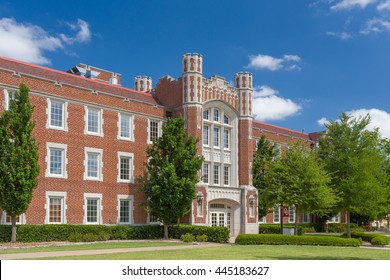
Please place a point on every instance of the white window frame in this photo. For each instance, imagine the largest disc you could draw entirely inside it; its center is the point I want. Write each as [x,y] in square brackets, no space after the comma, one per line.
[263,220]
[131,167]
[206,113]
[130,198]
[131,128]
[226,167]
[22,219]
[207,181]
[99,198]
[100,121]
[226,140]
[276,221]
[7,99]
[64,149]
[64,126]
[306,216]
[336,219]
[159,131]
[88,150]
[206,138]
[216,137]
[218,175]
[291,212]
[62,196]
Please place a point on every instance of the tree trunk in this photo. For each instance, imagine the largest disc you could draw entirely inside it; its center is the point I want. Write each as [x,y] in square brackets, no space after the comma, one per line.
[281,218]
[296,221]
[13,235]
[348,224]
[388,222]
[165,231]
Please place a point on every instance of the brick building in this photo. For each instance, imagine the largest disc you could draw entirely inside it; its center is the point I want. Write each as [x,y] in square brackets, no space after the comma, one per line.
[93,133]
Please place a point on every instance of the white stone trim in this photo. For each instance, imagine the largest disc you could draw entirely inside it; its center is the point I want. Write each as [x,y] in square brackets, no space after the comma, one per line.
[88,150]
[64,114]
[128,155]
[63,196]
[64,148]
[131,138]
[131,199]
[98,196]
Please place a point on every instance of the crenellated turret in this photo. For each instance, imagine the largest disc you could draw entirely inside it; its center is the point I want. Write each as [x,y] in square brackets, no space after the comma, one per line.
[245,90]
[143,83]
[192,78]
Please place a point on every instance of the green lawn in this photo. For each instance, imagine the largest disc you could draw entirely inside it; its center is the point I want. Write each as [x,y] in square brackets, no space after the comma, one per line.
[93,246]
[251,252]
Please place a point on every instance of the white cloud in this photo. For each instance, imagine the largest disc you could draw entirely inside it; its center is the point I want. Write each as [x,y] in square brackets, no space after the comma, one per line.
[83,35]
[350,4]
[342,35]
[29,42]
[261,61]
[376,26]
[384,5]
[379,119]
[268,106]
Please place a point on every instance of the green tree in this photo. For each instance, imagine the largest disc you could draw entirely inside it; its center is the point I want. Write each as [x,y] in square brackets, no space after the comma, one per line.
[299,180]
[265,153]
[18,157]
[352,155]
[172,173]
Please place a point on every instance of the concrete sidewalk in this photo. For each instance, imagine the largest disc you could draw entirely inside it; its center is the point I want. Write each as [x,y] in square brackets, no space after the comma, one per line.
[101,251]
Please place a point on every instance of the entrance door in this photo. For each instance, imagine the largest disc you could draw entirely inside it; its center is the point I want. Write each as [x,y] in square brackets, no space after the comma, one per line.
[221,215]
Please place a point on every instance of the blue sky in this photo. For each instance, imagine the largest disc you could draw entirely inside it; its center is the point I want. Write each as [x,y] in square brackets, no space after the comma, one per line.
[311,60]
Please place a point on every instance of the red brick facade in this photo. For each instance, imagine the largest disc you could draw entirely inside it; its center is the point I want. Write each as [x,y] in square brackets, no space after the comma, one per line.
[218,114]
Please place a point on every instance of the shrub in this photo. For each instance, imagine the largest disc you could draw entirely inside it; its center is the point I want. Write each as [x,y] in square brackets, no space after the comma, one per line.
[43,233]
[277,239]
[202,238]
[363,236]
[214,234]
[188,237]
[380,240]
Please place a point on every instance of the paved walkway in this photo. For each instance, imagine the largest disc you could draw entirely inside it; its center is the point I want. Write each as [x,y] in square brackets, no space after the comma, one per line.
[100,251]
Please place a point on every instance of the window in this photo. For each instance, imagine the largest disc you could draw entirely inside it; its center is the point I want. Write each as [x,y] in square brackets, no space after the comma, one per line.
[56,114]
[277,151]
[6,219]
[55,207]
[56,160]
[125,167]
[205,173]
[92,208]
[226,138]
[335,219]
[153,219]
[291,217]
[276,214]
[216,137]
[94,121]
[125,127]
[206,114]
[226,175]
[93,164]
[206,135]
[216,115]
[125,209]
[306,218]
[263,220]
[154,130]
[225,119]
[216,175]
[8,97]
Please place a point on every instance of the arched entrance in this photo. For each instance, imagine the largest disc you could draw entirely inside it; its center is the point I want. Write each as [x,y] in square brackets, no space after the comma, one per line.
[221,214]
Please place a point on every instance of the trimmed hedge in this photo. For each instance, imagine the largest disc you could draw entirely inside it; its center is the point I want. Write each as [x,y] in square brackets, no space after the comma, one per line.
[368,237]
[44,233]
[380,240]
[275,228]
[214,234]
[278,239]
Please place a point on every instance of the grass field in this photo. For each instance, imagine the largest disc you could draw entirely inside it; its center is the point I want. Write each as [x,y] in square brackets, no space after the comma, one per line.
[254,252]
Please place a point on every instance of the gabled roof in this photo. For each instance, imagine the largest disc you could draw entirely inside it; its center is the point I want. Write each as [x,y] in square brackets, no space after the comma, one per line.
[280,130]
[71,79]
